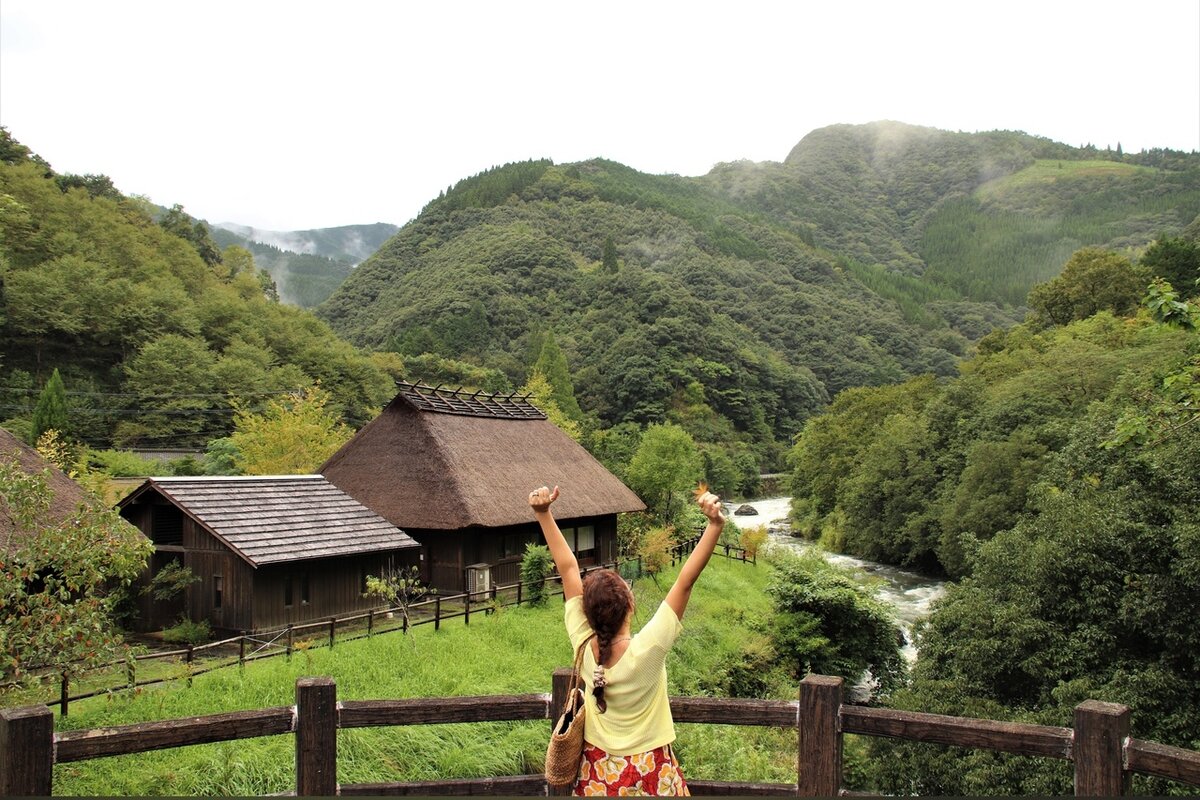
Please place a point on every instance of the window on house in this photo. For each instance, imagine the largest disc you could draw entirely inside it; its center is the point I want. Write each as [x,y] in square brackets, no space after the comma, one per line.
[585,541]
[513,545]
[166,525]
[218,590]
[304,589]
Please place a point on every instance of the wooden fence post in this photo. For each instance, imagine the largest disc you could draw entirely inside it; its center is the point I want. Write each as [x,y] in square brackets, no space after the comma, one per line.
[64,695]
[242,650]
[130,672]
[467,609]
[370,621]
[290,635]
[332,631]
[520,583]
[437,612]
[1098,750]
[316,737]
[560,682]
[26,751]
[819,771]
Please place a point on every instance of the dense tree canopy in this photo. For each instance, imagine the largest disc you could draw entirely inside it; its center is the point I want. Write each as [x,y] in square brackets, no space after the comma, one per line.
[150,327]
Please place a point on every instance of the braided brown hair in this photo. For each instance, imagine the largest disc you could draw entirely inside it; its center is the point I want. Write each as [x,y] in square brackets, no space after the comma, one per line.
[607,603]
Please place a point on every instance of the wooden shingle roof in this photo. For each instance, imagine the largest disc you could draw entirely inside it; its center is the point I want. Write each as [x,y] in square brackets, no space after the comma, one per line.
[276,519]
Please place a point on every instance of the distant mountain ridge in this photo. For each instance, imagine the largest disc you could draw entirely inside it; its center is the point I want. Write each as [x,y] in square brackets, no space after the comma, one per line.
[307,266]
[342,243]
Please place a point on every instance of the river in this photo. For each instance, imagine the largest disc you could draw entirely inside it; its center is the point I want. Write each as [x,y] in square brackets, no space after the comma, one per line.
[909,593]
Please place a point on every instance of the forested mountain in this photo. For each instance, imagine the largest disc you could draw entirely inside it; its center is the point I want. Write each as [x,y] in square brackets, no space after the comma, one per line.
[738,303]
[306,265]
[302,279]
[153,328]
[350,243]
[985,214]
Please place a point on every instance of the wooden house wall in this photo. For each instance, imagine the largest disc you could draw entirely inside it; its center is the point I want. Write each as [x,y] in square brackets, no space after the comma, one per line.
[449,553]
[334,587]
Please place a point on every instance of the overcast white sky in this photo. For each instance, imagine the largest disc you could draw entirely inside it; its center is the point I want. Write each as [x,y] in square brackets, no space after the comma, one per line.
[292,115]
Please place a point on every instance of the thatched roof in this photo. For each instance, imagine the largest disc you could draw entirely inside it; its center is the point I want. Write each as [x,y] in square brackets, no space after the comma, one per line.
[66,494]
[277,518]
[449,460]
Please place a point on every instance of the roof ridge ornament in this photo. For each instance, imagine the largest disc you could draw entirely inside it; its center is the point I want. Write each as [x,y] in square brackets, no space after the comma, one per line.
[475,404]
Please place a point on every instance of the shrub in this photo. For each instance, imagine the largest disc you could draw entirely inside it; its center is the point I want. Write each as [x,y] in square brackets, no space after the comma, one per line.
[752,539]
[655,550]
[535,569]
[187,631]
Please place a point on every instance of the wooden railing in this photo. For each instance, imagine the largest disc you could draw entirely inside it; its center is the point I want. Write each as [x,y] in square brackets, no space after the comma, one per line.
[326,632]
[256,645]
[1099,744]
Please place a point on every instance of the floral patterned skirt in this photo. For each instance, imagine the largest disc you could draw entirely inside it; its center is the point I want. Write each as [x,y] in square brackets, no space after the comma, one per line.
[655,773]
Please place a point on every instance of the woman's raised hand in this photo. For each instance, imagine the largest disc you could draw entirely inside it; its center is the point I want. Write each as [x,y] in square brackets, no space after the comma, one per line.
[541,498]
[710,504]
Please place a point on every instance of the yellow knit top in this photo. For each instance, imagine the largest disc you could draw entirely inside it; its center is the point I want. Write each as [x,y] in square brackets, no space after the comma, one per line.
[639,714]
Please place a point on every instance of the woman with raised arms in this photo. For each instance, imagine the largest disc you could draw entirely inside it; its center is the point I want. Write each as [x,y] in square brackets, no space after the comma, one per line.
[628,728]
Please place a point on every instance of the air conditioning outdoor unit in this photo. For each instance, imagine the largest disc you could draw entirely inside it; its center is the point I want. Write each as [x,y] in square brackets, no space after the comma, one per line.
[479,578]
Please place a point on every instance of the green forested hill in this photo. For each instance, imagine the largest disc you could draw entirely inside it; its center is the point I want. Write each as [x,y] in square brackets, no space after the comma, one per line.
[306,265]
[153,329]
[704,313]
[738,302]
[986,214]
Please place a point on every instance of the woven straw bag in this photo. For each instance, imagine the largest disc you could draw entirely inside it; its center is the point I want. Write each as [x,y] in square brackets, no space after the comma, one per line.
[566,740]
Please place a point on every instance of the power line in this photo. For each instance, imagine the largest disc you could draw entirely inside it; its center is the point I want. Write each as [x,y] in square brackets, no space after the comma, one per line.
[157,396]
[138,411]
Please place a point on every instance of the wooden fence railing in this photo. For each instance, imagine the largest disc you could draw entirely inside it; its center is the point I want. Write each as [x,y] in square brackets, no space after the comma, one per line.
[1099,744]
[255,645]
[326,632]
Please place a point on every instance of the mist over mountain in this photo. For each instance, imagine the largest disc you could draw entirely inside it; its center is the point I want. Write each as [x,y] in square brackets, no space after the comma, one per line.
[343,243]
[306,265]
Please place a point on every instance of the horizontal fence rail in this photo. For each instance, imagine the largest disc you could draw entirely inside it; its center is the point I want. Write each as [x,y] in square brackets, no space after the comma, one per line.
[285,641]
[1099,745]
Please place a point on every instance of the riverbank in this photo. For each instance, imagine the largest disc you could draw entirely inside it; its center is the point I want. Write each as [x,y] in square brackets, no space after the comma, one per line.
[910,594]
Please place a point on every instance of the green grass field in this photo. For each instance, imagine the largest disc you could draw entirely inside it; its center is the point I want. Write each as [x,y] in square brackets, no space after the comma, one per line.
[511,652]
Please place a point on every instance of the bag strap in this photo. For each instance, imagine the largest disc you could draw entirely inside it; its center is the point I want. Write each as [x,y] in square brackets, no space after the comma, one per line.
[577,675]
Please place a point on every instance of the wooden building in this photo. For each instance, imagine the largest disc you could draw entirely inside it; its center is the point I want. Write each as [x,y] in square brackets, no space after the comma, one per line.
[454,469]
[267,550]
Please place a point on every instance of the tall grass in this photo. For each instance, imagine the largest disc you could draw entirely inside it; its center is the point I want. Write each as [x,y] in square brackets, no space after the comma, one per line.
[511,652]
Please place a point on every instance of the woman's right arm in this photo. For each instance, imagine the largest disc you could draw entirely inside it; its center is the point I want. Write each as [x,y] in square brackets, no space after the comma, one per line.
[681,592]
[560,551]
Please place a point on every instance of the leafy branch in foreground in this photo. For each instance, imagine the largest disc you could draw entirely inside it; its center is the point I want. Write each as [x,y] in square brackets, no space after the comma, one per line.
[59,578]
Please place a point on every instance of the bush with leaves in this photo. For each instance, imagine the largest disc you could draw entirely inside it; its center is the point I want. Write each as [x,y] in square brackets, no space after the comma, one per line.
[58,576]
[536,567]
[399,588]
[752,540]
[188,631]
[827,623]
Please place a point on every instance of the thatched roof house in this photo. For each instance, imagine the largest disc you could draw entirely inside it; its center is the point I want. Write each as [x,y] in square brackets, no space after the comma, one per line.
[66,494]
[268,550]
[454,469]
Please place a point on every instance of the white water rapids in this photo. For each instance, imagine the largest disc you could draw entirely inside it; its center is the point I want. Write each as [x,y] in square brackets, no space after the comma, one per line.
[909,593]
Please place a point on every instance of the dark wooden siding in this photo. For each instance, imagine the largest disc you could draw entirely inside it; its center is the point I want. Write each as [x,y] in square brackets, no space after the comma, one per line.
[334,587]
[449,553]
